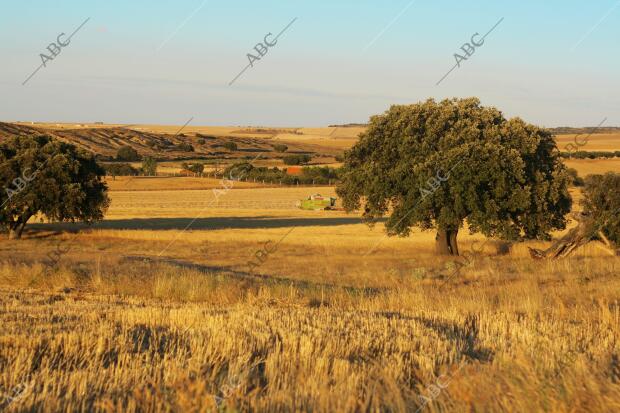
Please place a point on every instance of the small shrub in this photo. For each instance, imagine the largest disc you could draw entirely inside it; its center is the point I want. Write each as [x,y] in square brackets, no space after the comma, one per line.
[231,146]
[185,147]
[120,169]
[297,159]
[576,180]
[127,154]
[197,168]
[149,166]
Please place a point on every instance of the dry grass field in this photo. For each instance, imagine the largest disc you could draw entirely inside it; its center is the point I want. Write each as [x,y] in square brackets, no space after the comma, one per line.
[587,167]
[160,183]
[196,298]
[181,301]
[590,142]
[230,253]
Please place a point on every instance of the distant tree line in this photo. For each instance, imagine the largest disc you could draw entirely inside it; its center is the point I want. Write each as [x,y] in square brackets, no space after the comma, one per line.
[149,168]
[120,169]
[297,159]
[316,175]
[349,125]
[565,130]
[590,154]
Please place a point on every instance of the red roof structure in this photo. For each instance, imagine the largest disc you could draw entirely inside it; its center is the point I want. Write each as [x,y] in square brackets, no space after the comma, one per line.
[294,170]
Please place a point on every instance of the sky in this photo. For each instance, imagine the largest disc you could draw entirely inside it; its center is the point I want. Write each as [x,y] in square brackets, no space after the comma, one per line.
[552,63]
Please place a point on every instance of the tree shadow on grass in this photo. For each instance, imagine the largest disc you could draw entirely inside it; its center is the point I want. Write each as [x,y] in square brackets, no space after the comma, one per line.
[263,278]
[467,335]
[215,223]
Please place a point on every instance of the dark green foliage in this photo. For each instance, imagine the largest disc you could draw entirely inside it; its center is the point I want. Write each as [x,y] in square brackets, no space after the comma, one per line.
[566,130]
[104,158]
[43,175]
[601,201]
[149,166]
[310,175]
[127,154]
[575,179]
[296,159]
[231,146]
[590,155]
[201,141]
[120,169]
[185,147]
[319,174]
[196,168]
[439,165]
[280,147]
[241,171]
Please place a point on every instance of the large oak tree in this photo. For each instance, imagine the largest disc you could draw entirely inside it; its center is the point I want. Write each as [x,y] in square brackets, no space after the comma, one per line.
[43,175]
[441,165]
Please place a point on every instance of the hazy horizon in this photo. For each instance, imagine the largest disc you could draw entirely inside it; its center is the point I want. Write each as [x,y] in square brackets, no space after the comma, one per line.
[197,125]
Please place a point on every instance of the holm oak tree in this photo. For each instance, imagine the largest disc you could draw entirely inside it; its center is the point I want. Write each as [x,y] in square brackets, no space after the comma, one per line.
[446,164]
[41,175]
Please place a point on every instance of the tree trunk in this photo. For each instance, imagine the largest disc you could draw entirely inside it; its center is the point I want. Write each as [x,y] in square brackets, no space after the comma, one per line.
[609,246]
[17,227]
[15,232]
[445,242]
[582,234]
[453,244]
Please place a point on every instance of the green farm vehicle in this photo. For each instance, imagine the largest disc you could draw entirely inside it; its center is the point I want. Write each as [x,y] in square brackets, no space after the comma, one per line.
[316,203]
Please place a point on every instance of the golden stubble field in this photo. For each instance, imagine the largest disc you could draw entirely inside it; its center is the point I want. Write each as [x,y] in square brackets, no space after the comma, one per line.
[184,301]
[181,300]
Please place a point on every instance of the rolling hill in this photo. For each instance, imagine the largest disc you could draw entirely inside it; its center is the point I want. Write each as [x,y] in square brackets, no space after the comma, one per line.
[105,142]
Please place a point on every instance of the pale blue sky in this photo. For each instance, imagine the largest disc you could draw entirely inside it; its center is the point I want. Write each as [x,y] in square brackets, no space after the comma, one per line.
[551,62]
